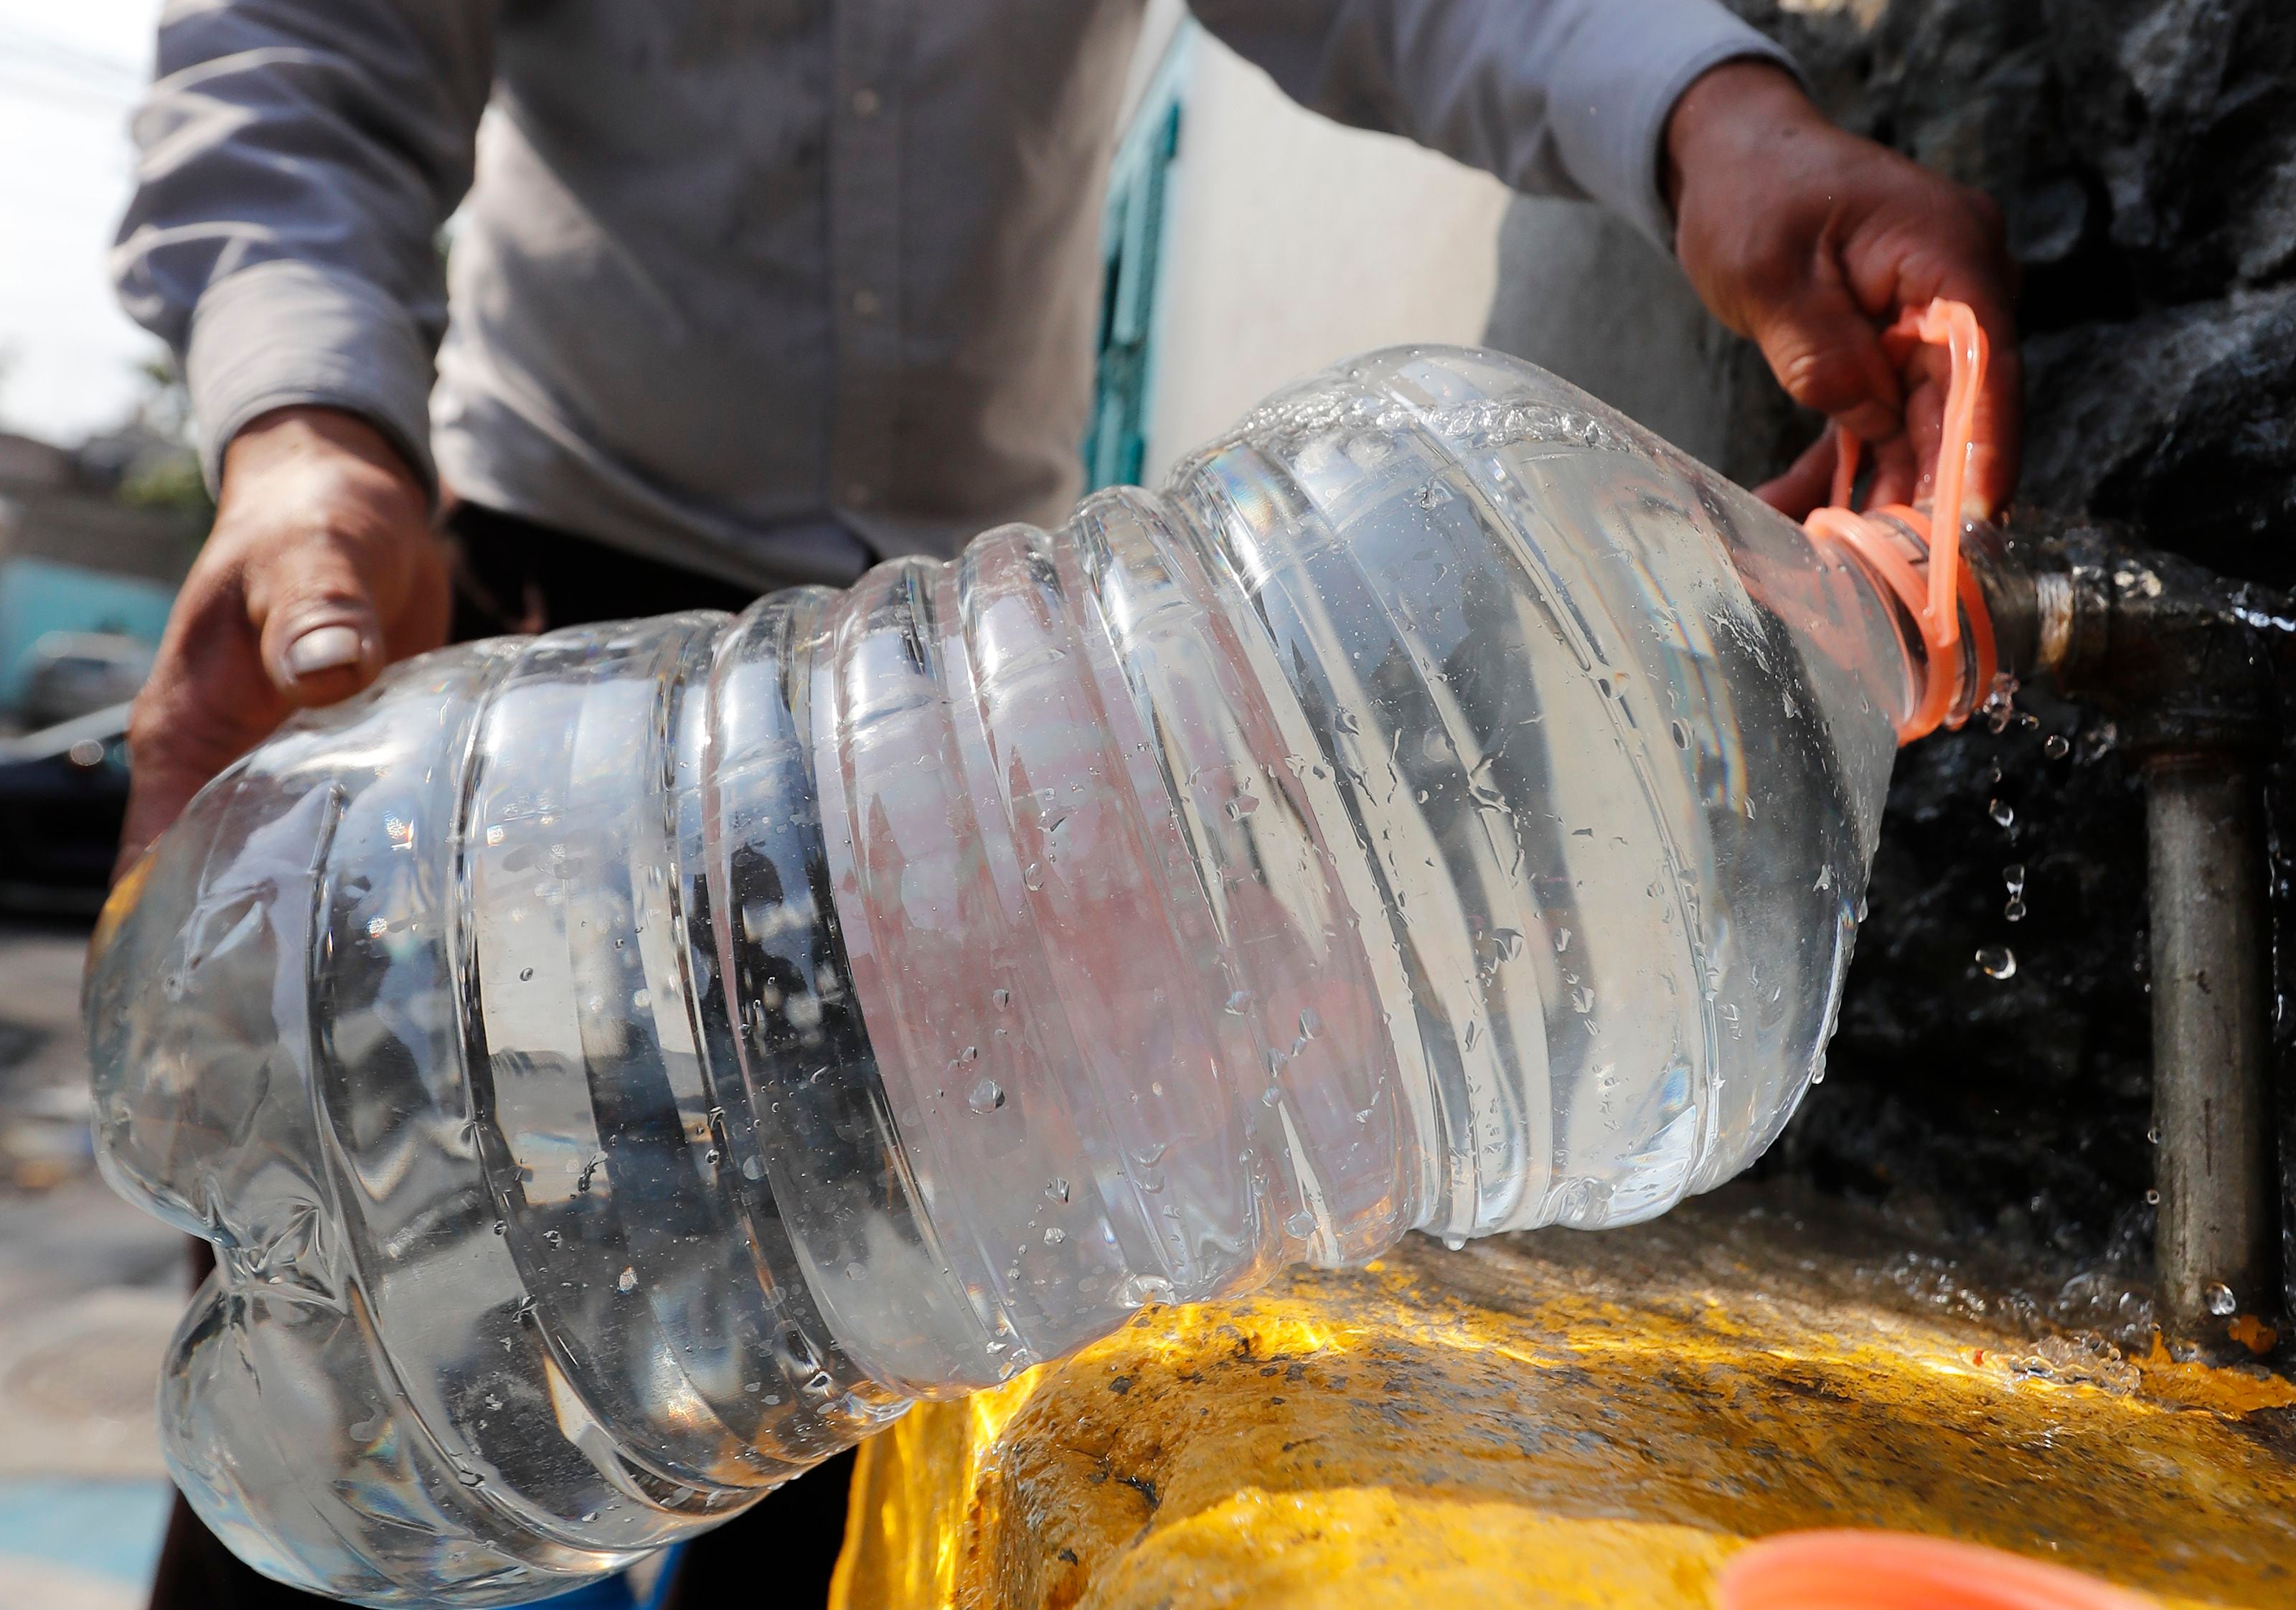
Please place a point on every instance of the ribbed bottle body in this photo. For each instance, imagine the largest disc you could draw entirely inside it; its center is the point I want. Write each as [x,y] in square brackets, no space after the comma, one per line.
[620,1068]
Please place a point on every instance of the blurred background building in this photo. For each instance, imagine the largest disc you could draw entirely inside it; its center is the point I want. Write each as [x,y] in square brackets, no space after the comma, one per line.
[93,540]
[1250,242]
[100,510]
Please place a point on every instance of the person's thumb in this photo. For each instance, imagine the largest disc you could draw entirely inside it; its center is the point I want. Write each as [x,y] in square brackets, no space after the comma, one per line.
[318,625]
[1828,356]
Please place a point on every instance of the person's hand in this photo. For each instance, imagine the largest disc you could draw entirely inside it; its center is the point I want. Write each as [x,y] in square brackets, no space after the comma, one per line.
[321,568]
[1811,242]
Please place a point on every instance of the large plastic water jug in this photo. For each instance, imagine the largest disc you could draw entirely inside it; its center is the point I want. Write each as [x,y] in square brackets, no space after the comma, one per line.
[618,1068]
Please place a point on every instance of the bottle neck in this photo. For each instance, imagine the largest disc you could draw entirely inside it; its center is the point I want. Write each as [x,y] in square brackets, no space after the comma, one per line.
[1915,555]
[1946,676]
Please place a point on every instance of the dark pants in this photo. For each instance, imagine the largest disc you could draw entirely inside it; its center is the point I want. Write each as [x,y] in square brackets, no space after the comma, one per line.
[512,575]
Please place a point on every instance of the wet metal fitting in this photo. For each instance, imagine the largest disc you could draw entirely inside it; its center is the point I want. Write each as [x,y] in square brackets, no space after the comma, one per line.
[2176,657]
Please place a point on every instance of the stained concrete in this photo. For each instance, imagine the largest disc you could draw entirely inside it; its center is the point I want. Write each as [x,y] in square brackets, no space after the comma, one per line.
[1566,1419]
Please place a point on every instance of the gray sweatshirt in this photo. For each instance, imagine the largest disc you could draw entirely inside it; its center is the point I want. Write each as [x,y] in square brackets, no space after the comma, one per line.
[765,288]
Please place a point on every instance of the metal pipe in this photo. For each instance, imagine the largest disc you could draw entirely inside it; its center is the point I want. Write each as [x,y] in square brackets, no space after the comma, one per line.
[2211,1098]
[2176,656]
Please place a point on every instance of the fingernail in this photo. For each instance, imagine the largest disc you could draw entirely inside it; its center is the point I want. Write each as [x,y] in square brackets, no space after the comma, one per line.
[324,649]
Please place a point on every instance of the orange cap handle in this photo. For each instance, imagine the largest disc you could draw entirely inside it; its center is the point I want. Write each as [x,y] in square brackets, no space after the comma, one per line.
[1931,582]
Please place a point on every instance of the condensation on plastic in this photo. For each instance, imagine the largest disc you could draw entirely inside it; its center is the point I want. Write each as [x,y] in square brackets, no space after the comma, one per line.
[619,1068]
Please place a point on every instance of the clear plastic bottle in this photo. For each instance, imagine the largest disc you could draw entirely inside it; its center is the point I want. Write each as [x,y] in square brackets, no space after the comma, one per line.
[619,1068]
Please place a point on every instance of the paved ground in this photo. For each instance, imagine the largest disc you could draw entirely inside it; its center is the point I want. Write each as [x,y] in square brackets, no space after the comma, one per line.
[90,1290]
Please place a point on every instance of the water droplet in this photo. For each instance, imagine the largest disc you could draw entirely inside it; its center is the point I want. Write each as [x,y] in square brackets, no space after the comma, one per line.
[553,1237]
[1998,961]
[1138,1291]
[854,1271]
[985,1098]
[1561,940]
[2003,813]
[1507,943]
[2151,1199]
[1454,1242]
[1058,1190]
[502,1226]
[1302,1223]
[1002,999]
[2014,911]
[2055,746]
[628,1282]
[1824,879]
[1240,1002]
[2013,874]
[1240,806]
[970,1054]
[524,974]
[1310,1025]
[1681,730]
[2154,1135]
[1033,876]
[2219,1298]
[1054,1235]
[1149,1155]
[753,1167]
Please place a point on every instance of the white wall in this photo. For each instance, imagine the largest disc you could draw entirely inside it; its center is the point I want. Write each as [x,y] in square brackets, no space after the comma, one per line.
[1291,243]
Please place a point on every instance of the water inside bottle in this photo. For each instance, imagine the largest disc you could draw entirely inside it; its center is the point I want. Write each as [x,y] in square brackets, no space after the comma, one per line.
[1411,820]
[620,1068]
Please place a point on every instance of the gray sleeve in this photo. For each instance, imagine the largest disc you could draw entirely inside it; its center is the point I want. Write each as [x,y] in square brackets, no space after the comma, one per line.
[297,159]
[1560,97]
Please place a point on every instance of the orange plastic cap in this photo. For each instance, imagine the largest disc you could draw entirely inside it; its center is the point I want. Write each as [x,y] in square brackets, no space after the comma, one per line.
[1933,584]
[1857,1569]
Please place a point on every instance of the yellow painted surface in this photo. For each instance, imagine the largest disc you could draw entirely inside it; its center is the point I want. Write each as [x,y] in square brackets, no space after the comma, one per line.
[1562,1420]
